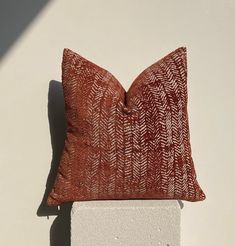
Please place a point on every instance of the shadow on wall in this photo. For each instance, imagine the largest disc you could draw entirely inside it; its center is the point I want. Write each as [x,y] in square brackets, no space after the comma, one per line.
[60,229]
[15,17]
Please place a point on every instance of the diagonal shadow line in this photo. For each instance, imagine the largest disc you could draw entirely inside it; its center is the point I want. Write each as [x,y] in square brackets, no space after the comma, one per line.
[15,17]
[60,229]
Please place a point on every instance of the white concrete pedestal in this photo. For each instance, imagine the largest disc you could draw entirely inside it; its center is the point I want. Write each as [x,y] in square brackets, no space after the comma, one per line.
[126,223]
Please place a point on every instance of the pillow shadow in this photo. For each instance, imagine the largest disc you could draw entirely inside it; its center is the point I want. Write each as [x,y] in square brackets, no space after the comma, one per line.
[60,228]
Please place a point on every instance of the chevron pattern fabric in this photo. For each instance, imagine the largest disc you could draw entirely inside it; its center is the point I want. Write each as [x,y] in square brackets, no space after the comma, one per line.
[121,144]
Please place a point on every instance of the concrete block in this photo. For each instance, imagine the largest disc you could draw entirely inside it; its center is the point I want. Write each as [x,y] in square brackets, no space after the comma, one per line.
[126,223]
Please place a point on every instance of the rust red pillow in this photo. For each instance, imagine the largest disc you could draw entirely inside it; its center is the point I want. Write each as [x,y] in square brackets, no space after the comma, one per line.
[126,145]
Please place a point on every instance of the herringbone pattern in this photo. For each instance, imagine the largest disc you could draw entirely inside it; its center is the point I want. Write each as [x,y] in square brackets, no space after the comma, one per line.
[124,145]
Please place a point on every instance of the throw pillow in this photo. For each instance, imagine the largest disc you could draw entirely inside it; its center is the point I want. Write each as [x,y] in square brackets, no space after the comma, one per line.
[121,144]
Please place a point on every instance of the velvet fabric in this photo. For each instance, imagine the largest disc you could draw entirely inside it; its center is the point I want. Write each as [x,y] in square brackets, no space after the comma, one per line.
[121,144]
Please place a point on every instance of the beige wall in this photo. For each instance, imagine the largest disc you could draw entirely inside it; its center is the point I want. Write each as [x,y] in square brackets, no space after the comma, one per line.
[123,37]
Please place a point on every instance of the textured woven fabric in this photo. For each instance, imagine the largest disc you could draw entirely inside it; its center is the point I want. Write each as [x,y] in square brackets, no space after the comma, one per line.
[126,144]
